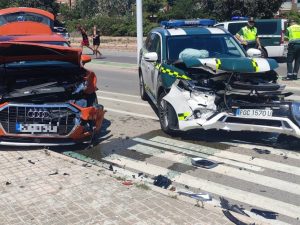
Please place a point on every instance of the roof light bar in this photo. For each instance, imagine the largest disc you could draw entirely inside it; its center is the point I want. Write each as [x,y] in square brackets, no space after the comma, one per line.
[239,18]
[188,23]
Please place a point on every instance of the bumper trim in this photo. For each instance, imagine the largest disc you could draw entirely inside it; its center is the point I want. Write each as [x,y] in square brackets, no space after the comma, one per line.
[24,144]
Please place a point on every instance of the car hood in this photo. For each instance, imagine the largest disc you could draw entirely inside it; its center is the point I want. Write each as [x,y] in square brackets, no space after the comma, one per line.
[240,65]
[16,51]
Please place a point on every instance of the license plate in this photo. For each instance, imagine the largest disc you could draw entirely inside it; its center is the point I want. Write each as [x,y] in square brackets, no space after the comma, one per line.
[254,113]
[36,128]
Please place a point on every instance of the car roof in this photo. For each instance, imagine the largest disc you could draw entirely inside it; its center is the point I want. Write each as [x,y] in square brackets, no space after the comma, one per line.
[180,31]
[26,9]
[257,20]
[34,38]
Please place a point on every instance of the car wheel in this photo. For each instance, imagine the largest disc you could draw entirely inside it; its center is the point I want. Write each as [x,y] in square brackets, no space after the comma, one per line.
[143,93]
[167,115]
[264,53]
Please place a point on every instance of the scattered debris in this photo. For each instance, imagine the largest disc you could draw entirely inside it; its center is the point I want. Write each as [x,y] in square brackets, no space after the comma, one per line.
[140,174]
[133,176]
[66,174]
[233,219]
[47,153]
[203,197]
[187,187]
[31,161]
[235,208]
[111,167]
[54,173]
[204,163]
[173,188]
[263,191]
[22,186]
[8,183]
[86,165]
[127,182]
[21,157]
[262,151]
[252,157]
[285,157]
[162,181]
[265,214]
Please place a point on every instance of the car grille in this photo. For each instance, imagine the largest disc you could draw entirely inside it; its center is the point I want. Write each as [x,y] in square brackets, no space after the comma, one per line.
[58,120]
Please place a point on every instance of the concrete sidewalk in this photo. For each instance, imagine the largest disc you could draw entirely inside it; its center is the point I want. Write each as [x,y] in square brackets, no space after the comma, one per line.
[44,187]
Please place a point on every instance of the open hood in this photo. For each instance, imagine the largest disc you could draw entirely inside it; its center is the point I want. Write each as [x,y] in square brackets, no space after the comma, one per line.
[24,28]
[240,65]
[16,51]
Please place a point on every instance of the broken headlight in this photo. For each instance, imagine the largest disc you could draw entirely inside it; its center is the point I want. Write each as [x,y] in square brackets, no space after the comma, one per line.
[296,111]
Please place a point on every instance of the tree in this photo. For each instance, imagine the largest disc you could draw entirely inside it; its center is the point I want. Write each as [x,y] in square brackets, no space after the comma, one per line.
[152,6]
[225,9]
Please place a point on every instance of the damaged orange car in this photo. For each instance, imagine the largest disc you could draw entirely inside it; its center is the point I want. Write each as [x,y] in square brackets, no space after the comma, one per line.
[47,97]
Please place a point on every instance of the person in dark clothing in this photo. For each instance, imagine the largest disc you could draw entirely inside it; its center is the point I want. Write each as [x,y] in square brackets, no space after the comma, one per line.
[85,40]
[96,41]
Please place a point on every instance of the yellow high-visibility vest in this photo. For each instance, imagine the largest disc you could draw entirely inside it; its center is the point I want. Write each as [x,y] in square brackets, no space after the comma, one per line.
[249,34]
[293,32]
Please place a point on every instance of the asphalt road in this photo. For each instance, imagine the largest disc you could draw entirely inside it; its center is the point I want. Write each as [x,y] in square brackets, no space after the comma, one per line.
[255,171]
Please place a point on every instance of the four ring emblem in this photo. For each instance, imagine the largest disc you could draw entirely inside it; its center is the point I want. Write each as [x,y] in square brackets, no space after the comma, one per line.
[38,114]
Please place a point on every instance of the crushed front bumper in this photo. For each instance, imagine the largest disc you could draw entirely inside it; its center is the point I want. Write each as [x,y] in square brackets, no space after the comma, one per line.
[200,112]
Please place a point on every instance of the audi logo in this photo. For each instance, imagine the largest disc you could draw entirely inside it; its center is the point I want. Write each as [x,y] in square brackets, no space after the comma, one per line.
[38,114]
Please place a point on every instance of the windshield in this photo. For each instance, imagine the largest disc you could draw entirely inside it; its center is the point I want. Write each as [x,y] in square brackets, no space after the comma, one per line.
[24,16]
[217,46]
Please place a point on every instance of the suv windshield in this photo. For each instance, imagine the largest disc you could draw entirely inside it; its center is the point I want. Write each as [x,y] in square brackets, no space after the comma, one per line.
[219,46]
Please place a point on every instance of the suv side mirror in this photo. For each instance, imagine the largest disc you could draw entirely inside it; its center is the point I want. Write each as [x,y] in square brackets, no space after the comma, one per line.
[85,59]
[151,57]
[254,53]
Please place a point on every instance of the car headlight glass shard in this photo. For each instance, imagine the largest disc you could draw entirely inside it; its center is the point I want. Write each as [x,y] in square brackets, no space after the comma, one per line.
[296,111]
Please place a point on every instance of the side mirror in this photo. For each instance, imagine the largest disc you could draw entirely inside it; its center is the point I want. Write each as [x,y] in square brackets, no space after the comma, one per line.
[85,59]
[151,57]
[254,53]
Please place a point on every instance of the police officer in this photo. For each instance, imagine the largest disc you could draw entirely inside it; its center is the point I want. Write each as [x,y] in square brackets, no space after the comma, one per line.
[248,35]
[293,36]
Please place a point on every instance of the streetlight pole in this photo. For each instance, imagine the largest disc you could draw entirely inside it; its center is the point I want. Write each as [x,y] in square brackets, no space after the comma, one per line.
[139,27]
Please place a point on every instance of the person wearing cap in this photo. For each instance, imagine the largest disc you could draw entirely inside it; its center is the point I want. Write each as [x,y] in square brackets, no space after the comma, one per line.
[248,35]
[293,36]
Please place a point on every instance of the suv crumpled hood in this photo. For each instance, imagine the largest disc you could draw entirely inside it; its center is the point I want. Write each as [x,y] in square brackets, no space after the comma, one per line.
[240,65]
[16,51]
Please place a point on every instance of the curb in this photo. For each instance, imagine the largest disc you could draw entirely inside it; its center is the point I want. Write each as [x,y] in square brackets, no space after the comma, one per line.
[165,192]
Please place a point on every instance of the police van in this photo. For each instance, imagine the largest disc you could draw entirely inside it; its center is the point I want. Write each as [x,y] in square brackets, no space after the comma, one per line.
[270,32]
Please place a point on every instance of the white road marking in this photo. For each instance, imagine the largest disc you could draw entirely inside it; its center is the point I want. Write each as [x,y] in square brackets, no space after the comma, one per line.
[131,113]
[273,151]
[208,186]
[235,156]
[224,170]
[124,101]
[119,94]
[206,153]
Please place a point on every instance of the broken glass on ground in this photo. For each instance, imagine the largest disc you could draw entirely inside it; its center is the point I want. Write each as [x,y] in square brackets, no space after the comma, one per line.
[204,197]
[204,163]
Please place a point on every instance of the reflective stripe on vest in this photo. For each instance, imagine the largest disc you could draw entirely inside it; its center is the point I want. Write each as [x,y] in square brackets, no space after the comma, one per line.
[294,32]
[249,34]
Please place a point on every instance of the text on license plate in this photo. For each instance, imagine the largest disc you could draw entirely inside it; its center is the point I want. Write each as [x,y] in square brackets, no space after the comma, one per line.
[36,128]
[258,113]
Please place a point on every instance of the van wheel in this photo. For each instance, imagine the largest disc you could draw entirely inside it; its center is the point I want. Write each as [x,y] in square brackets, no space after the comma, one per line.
[167,115]
[143,93]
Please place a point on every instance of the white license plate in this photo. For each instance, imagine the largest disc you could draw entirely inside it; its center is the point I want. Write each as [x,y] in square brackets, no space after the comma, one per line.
[36,128]
[254,113]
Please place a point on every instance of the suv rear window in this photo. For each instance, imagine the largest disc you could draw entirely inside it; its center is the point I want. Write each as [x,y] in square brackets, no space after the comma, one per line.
[233,28]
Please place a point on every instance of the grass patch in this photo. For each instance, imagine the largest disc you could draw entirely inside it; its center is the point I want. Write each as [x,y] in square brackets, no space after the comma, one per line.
[143,186]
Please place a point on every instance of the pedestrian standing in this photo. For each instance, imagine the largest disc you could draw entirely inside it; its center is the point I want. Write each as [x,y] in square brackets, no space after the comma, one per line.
[248,35]
[96,41]
[85,40]
[293,56]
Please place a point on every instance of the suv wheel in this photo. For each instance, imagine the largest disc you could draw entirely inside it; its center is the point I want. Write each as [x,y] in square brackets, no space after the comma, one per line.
[142,87]
[167,115]
[264,53]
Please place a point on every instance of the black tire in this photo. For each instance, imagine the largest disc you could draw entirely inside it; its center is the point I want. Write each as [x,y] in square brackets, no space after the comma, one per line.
[264,53]
[143,93]
[167,115]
